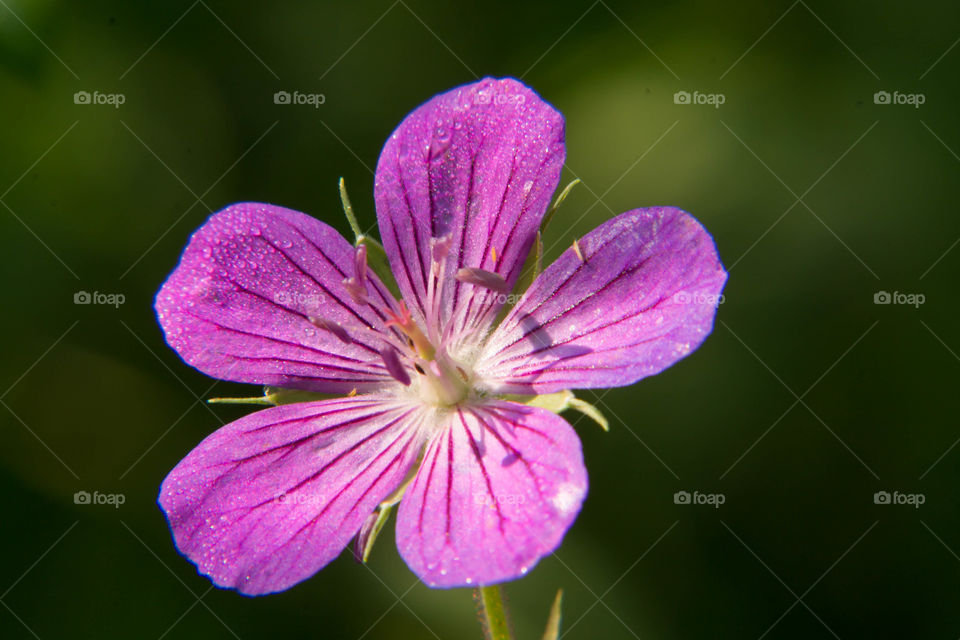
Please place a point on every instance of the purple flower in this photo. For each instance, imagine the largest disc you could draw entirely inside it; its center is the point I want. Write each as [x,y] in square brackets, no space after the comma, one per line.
[438,398]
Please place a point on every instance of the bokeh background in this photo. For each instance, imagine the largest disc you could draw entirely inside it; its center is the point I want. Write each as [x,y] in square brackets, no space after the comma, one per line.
[807,400]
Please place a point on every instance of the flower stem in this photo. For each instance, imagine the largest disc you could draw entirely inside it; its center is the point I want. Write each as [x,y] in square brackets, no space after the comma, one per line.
[493,613]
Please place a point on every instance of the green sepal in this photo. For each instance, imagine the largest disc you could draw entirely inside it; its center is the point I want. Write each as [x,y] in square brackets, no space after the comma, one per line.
[376,255]
[590,411]
[555,402]
[383,514]
[552,632]
[561,401]
[273,396]
[548,216]
[384,509]
[533,266]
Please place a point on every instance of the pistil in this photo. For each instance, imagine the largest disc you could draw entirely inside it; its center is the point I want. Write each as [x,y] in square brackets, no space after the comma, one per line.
[405,323]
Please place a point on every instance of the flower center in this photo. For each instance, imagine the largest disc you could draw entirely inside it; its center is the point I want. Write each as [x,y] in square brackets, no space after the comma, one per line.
[442,382]
[418,357]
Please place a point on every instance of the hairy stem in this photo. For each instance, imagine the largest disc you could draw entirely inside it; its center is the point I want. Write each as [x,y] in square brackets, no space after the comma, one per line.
[493,613]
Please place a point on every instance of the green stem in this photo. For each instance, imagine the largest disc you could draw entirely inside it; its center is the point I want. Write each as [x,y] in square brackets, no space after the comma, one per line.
[493,613]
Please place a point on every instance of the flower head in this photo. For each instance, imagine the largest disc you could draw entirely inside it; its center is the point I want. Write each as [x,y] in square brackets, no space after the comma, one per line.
[434,409]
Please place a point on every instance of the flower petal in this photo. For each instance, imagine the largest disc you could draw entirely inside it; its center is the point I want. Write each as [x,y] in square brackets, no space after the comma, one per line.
[498,488]
[239,305]
[628,300]
[476,165]
[268,500]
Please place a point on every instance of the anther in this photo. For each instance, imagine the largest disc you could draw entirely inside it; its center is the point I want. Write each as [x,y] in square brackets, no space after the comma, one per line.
[333,327]
[357,285]
[391,359]
[483,278]
[440,247]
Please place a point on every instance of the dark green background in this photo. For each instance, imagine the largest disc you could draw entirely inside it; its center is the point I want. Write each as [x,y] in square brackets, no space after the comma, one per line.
[103,199]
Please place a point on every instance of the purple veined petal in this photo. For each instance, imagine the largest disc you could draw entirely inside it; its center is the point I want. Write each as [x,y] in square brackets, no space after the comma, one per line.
[265,502]
[497,490]
[251,287]
[644,296]
[477,165]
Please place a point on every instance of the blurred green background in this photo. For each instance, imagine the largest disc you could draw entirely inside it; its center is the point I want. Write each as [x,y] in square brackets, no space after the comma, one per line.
[807,400]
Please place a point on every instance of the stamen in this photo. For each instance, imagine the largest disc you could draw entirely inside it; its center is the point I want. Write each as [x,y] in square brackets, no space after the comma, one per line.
[440,248]
[357,285]
[333,327]
[493,254]
[396,369]
[483,278]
